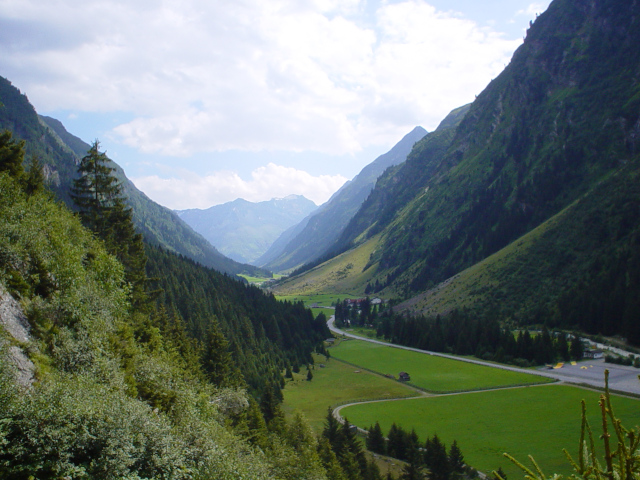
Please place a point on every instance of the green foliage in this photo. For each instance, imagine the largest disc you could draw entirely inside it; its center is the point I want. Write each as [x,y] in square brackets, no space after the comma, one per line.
[121,391]
[76,428]
[464,333]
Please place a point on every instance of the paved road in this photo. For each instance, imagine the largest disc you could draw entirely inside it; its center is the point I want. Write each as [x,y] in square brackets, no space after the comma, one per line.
[590,373]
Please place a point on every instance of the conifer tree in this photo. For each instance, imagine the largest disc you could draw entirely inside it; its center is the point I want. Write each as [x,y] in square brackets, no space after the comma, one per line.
[330,460]
[577,348]
[375,440]
[332,431]
[97,190]
[436,459]
[98,195]
[34,176]
[11,155]
[216,358]
[456,460]
[413,470]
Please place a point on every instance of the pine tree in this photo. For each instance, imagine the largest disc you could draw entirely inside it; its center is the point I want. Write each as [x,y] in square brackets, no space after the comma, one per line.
[395,444]
[413,470]
[98,195]
[34,176]
[309,375]
[11,155]
[271,410]
[456,461]
[330,460]
[577,348]
[436,459]
[332,432]
[216,358]
[375,440]
[96,191]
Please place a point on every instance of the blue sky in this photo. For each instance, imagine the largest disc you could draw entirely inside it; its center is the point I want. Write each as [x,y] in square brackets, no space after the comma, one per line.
[202,102]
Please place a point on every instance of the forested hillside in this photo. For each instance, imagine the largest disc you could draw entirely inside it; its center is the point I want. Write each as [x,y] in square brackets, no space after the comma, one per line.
[60,152]
[558,129]
[122,387]
[264,336]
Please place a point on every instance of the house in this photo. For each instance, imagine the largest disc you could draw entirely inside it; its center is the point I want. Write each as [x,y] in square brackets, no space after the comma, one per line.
[404,377]
[330,341]
[376,301]
[593,353]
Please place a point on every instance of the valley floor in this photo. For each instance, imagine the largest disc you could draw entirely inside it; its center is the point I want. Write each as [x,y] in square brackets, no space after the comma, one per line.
[622,379]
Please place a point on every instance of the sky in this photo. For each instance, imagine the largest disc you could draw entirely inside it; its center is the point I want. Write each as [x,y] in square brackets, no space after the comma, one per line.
[205,101]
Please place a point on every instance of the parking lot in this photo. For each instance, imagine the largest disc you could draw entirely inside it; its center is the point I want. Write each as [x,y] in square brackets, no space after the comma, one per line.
[591,372]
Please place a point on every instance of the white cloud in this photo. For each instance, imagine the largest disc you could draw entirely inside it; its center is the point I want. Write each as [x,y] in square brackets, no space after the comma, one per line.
[192,191]
[253,74]
[534,9]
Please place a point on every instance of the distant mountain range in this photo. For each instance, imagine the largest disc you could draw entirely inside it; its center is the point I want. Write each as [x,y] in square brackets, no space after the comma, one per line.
[244,230]
[60,152]
[310,239]
[528,209]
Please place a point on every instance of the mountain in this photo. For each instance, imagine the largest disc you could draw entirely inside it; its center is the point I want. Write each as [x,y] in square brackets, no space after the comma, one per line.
[244,230]
[561,122]
[320,230]
[96,385]
[60,152]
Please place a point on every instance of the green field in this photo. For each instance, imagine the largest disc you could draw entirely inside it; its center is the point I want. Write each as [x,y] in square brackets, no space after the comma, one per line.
[336,384]
[429,372]
[538,421]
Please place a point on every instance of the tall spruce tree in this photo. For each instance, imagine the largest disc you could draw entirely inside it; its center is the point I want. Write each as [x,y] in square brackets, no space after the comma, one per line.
[456,461]
[98,195]
[97,191]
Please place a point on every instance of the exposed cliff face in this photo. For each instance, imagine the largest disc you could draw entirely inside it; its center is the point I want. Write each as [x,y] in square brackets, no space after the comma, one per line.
[16,332]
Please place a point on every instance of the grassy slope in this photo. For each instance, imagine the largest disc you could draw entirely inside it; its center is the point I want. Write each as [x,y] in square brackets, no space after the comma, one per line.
[346,273]
[535,269]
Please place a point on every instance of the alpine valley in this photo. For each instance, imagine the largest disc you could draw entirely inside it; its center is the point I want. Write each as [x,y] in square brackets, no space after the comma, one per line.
[527,209]
[427,301]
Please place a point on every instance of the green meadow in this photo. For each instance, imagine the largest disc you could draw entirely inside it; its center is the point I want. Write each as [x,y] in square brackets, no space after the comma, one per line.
[335,384]
[429,372]
[538,421]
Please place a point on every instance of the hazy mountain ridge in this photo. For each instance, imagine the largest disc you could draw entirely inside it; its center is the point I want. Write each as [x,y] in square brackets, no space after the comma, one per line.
[60,152]
[323,227]
[244,230]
